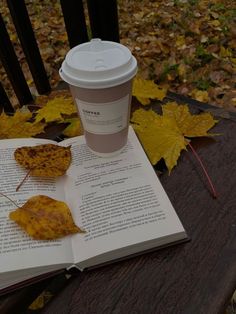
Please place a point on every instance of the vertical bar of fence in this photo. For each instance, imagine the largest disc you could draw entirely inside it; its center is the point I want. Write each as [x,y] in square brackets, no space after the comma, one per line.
[103,16]
[25,33]
[12,66]
[4,101]
[75,22]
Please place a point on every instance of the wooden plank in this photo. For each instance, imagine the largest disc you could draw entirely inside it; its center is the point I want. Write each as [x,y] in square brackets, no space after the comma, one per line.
[216,111]
[74,17]
[197,277]
[12,66]
[26,36]
[18,301]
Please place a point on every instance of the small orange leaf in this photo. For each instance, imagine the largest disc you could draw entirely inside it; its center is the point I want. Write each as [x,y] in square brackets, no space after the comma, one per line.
[41,300]
[47,160]
[44,218]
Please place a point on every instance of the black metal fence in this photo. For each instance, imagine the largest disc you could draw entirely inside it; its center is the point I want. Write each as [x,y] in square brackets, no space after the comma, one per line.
[103,19]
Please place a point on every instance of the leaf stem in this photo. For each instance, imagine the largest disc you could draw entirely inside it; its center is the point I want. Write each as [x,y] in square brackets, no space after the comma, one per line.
[9,199]
[214,194]
[21,183]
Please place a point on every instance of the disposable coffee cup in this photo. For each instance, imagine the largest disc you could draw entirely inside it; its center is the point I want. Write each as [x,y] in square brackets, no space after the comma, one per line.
[100,74]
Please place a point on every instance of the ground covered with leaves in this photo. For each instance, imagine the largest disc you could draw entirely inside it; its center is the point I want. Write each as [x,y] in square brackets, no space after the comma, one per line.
[187,46]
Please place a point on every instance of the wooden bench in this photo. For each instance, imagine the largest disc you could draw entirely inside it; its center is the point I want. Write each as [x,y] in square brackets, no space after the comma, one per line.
[195,277]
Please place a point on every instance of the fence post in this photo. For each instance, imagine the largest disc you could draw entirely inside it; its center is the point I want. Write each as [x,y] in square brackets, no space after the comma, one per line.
[12,66]
[4,101]
[74,17]
[103,16]
[26,35]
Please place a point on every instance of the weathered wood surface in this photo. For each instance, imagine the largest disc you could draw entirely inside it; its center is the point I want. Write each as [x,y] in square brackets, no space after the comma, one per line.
[195,277]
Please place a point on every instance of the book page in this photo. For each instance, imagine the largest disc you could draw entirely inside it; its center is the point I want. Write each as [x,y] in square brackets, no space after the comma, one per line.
[118,201]
[17,249]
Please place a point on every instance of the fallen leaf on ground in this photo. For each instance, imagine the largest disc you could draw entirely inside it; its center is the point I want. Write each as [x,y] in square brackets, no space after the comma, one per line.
[47,160]
[200,95]
[159,33]
[55,109]
[44,218]
[144,90]
[18,126]
[165,136]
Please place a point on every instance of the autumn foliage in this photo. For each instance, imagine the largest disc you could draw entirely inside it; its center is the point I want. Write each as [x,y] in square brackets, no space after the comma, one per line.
[165,136]
[185,46]
[162,136]
[44,218]
[47,160]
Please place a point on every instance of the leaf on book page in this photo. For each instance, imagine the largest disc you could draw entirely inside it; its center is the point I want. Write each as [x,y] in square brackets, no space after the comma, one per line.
[55,110]
[45,218]
[165,136]
[47,160]
[143,90]
[18,125]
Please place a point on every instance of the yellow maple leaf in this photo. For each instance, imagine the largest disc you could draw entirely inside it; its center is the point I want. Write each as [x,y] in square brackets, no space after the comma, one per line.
[42,100]
[189,125]
[163,136]
[44,218]
[18,125]
[160,137]
[47,160]
[74,128]
[55,109]
[143,90]
[143,117]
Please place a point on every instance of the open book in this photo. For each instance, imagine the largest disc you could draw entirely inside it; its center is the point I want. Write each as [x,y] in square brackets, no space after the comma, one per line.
[118,201]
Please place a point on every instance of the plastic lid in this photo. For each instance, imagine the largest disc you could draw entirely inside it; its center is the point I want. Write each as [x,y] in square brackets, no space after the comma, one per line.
[98,64]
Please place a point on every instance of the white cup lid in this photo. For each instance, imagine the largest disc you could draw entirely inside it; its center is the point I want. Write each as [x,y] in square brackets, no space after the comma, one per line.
[98,64]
